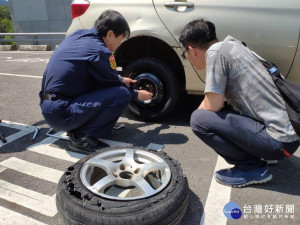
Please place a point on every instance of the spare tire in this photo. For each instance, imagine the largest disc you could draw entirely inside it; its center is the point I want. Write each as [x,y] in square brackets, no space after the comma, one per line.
[156,77]
[123,186]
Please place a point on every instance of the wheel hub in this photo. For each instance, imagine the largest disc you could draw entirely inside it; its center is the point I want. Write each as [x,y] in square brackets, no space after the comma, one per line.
[126,170]
[150,83]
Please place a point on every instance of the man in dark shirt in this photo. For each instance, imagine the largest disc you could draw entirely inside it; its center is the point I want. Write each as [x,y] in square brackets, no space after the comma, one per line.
[81,90]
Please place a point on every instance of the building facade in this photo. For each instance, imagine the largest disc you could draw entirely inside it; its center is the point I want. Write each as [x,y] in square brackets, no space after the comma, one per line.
[34,16]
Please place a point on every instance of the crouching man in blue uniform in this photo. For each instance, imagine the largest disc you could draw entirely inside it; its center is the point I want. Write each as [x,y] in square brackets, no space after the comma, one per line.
[81,90]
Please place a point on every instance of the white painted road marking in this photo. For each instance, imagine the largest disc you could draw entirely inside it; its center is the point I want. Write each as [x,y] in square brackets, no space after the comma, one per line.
[218,197]
[44,148]
[24,131]
[15,136]
[26,52]
[14,125]
[28,198]
[20,75]
[115,143]
[9,217]
[63,135]
[2,168]
[32,169]
[32,60]
[38,202]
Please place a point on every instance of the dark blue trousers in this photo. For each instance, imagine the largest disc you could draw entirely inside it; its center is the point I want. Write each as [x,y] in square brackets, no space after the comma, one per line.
[240,140]
[94,113]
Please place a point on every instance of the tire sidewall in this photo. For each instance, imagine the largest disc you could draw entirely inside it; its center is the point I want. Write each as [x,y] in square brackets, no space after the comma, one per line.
[171,197]
[170,87]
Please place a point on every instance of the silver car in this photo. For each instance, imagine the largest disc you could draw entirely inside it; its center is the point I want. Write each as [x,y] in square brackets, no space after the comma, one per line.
[271,28]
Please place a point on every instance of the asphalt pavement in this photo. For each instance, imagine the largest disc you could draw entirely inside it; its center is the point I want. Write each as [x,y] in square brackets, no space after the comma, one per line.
[29,174]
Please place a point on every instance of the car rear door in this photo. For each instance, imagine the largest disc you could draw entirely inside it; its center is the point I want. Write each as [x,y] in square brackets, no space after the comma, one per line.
[269,27]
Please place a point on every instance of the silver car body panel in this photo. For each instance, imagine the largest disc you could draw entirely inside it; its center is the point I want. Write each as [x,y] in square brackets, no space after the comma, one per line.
[270,27]
[143,21]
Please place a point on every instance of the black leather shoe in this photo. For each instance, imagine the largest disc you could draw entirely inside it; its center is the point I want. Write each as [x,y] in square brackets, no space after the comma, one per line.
[86,144]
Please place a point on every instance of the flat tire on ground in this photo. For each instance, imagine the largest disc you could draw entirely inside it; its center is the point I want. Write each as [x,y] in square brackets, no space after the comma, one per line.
[85,196]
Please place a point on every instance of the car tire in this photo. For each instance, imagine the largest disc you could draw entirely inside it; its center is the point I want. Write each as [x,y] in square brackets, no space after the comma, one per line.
[78,204]
[163,84]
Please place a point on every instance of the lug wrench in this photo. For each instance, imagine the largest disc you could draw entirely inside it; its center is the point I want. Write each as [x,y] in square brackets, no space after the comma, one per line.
[118,127]
[35,133]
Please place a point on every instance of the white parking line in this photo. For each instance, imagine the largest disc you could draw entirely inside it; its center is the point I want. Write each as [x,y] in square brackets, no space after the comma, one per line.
[25,129]
[28,198]
[28,60]
[38,202]
[115,143]
[2,168]
[20,75]
[32,169]
[26,52]
[218,197]
[15,136]
[44,148]
[9,217]
[15,125]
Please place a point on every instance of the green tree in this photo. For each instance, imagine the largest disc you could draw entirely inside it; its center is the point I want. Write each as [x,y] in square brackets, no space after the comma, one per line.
[6,26]
[4,12]
[5,22]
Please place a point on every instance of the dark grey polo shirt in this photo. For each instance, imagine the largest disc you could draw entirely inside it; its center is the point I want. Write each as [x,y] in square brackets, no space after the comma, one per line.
[233,71]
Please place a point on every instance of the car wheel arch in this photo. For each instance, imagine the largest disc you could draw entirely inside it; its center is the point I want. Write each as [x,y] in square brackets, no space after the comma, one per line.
[151,47]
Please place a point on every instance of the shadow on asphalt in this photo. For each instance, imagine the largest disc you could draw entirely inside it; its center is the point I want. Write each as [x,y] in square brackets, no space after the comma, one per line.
[40,123]
[131,134]
[194,211]
[159,132]
[181,114]
[286,177]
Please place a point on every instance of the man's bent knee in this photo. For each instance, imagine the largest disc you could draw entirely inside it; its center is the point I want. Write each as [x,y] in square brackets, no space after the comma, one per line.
[123,96]
[200,121]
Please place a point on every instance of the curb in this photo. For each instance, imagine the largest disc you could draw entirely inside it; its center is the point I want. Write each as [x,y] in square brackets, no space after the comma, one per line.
[8,47]
[34,48]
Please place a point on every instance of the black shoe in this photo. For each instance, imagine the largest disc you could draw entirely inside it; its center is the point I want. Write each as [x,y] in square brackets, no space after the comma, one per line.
[70,132]
[86,144]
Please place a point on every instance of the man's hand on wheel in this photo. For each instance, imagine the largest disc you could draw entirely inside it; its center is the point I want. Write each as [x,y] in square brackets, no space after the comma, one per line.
[144,95]
[128,81]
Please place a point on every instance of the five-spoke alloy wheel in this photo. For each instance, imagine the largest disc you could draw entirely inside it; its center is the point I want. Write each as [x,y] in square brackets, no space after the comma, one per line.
[122,185]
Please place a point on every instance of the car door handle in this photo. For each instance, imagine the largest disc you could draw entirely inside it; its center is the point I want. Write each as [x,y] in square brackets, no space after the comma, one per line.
[176,4]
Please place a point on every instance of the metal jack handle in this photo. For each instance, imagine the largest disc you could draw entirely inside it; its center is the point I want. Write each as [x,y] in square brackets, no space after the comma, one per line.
[2,138]
[50,133]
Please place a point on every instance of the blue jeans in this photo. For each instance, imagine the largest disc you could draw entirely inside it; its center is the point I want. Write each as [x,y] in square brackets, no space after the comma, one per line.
[240,140]
[94,113]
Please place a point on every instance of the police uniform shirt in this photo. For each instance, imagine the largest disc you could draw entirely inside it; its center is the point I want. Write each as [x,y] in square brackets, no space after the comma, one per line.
[81,64]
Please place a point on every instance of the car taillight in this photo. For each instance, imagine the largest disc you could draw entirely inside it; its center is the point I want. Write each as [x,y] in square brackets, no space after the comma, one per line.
[79,8]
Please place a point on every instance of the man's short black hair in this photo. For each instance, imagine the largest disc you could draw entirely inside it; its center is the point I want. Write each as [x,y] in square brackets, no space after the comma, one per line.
[112,20]
[198,33]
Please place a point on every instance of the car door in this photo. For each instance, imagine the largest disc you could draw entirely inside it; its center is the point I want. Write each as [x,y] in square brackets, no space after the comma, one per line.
[269,27]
